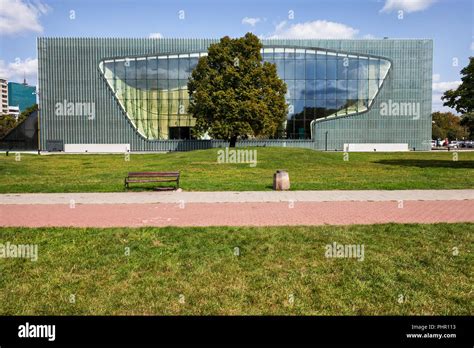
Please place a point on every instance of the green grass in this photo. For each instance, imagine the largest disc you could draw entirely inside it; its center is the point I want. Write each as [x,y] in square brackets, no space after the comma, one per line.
[309,170]
[415,261]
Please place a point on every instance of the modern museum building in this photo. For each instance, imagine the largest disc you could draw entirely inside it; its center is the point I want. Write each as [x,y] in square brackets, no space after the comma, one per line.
[130,94]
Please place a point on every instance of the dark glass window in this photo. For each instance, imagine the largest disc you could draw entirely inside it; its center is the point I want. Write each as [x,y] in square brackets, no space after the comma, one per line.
[151,69]
[374,69]
[280,63]
[342,67]
[331,89]
[130,69]
[310,73]
[141,66]
[320,89]
[363,69]
[363,89]
[352,89]
[331,71]
[310,89]
[289,69]
[320,69]
[289,53]
[184,68]
[352,73]
[279,54]
[299,69]
[300,54]
[163,69]
[180,132]
[193,61]
[341,92]
[299,89]
[173,67]
[299,106]
[173,85]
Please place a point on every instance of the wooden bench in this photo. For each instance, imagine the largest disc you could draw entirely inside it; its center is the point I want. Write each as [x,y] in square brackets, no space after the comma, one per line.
[140,177]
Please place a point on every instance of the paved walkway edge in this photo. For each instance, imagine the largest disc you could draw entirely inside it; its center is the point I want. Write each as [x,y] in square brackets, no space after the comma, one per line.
[235,197]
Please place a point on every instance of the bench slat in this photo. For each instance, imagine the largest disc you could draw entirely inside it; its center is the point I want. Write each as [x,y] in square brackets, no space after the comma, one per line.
[143,177]
[153,174]
[144,180]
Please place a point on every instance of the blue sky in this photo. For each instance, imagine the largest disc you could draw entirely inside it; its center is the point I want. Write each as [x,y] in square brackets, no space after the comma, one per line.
[448,22]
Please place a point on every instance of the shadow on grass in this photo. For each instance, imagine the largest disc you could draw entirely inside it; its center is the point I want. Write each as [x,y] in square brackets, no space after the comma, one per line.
[428,163]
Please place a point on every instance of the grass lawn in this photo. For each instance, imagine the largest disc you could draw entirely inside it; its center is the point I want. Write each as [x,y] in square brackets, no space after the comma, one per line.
[196,271]
[309,170]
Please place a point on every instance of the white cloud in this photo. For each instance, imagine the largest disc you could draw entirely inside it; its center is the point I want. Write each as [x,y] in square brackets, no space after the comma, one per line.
[438,90]
[250,21]
[406,5]
[17,16]
[319,29]
[472,46]
[442,87]
[15,71]
[156,36]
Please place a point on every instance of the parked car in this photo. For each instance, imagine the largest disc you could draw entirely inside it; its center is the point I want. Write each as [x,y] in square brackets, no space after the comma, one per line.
[453,145]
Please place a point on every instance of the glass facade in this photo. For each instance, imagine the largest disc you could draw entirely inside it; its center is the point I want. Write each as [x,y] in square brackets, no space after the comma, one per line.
[152,90]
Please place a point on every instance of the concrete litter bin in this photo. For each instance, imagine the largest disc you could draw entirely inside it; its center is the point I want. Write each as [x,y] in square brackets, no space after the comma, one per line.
[281,180]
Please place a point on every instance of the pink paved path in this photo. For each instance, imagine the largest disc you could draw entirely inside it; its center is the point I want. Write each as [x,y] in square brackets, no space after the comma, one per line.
[235,214]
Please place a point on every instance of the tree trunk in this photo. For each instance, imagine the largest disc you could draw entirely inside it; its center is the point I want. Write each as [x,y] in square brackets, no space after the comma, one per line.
[233,140]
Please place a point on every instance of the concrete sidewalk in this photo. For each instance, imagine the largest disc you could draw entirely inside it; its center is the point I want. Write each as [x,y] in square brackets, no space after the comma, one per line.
[235,197]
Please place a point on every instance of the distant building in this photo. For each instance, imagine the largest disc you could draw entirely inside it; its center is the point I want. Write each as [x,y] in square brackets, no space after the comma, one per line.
[14,111]
[21,95]
[3,97]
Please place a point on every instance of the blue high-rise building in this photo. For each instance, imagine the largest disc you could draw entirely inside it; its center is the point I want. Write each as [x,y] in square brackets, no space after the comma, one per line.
[21,95]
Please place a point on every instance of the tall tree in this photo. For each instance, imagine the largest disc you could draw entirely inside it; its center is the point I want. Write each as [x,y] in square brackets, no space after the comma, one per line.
[462,98]
[233,93]
[467,121]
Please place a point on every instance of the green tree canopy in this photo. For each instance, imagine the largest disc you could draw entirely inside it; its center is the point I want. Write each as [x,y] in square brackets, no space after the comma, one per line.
[447,125]
[233,93]
[467,121]
[462,98]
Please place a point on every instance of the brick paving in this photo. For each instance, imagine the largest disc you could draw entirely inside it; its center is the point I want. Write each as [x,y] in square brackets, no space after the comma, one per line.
[236,213]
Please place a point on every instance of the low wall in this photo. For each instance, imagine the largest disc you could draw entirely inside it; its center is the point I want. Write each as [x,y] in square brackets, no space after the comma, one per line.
[383,147]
